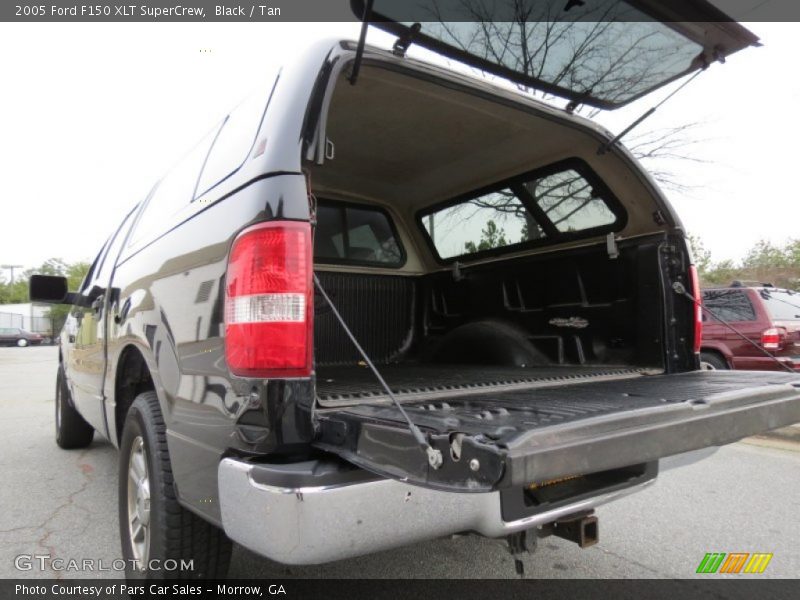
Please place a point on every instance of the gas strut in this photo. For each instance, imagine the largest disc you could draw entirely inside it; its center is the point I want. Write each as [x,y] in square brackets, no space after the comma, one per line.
[434,456]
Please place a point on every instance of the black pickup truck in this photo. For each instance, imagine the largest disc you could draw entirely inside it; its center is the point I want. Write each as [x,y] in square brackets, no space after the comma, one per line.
[520,290]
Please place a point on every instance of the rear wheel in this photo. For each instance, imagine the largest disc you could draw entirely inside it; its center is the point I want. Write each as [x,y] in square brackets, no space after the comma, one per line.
[711,361]
[72,431]
[22,342]
[156,531]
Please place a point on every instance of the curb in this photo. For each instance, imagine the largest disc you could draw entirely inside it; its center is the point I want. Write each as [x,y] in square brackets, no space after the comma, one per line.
[786,434]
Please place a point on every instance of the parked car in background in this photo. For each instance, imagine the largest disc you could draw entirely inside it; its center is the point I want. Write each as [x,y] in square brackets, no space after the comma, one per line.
[765,314]
[13,336]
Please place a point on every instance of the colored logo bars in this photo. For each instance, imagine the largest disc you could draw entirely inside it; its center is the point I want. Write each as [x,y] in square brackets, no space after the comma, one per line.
[735,562]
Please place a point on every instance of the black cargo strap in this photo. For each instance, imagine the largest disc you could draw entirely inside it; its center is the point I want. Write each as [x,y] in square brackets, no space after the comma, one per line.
[434,456]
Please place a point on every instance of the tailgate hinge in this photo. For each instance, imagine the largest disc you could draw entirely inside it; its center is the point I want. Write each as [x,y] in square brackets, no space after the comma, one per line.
[402,43]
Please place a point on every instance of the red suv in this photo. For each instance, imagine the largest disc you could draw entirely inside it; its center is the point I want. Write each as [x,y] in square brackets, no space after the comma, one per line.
[767,315]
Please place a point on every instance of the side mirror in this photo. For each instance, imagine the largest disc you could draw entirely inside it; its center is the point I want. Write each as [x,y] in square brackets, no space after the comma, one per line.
[49,288]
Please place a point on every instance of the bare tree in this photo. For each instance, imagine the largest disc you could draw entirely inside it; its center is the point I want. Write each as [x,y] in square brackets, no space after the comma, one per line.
[658,149]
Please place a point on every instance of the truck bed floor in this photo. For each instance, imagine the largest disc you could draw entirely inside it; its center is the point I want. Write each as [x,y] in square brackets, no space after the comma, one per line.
[348,384]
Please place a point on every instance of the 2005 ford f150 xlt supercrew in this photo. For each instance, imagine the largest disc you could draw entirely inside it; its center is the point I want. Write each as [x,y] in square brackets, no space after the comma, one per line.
[386,301]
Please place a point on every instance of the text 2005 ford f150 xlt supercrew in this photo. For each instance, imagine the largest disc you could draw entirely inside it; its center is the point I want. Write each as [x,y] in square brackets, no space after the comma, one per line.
[516,278]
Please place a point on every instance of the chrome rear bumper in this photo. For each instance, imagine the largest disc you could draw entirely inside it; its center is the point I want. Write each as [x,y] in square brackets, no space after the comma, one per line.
[310,525]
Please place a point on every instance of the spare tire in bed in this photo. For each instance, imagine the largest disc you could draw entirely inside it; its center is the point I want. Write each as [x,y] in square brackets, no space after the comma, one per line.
[488,342]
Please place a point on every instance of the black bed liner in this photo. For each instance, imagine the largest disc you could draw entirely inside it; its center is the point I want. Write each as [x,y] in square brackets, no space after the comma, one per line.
[524,435]
[346,385]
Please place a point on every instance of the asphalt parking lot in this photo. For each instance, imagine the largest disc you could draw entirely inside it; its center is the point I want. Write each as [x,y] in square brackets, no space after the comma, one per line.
[745,498]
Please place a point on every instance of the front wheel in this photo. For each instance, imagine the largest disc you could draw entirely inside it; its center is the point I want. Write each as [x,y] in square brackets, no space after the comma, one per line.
[160,538]
[22,342]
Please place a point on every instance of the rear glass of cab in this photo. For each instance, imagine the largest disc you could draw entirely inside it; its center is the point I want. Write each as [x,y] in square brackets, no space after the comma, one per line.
[356,235]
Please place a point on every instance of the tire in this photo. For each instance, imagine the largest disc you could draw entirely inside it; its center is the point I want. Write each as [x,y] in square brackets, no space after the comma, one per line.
[150,513]
[72,431]
[22,342]
[711,361]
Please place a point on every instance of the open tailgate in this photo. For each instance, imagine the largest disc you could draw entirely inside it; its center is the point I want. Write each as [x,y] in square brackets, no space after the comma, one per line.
[504,439]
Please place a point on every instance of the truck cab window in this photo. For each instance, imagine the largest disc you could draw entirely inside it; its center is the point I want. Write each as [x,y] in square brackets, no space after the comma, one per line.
[173,192]
[236,138]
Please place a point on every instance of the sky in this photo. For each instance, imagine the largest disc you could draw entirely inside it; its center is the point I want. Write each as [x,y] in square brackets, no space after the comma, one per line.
[91,115]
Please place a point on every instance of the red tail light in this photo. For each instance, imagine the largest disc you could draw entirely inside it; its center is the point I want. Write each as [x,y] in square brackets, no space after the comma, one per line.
[268,301]
[694,281]
[772,338]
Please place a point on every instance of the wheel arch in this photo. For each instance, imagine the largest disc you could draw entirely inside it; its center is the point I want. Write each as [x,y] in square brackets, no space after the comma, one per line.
[132,377]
